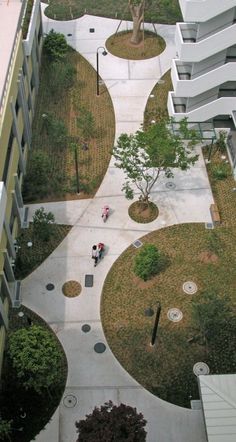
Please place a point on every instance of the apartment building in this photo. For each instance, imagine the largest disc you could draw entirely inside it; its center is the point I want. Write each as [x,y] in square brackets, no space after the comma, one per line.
[20,48]
[204,70]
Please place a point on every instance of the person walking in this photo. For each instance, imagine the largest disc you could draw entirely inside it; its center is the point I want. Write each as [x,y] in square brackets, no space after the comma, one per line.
[101,248]
[95,254]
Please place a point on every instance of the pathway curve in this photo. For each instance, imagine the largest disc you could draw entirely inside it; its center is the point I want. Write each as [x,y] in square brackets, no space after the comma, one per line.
[95,378]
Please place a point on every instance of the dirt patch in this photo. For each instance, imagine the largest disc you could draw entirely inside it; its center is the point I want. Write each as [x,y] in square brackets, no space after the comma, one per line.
[71,289]
[208,257]
[138,282]
[143,213]
[151,45]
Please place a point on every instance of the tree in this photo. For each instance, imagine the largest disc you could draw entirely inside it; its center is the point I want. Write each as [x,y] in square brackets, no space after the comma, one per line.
[5,429]
[112,423]
[55,128]
[35,358]
[211,315]
[55,45]
[137,11]
[42,222]
[147,153]
[38,174]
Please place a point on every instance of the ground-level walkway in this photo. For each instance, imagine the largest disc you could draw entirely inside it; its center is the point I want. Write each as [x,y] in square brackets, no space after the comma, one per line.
[94,378]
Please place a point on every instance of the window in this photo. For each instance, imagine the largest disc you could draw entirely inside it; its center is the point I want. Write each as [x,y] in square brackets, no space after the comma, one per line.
[22,142]
[17,106]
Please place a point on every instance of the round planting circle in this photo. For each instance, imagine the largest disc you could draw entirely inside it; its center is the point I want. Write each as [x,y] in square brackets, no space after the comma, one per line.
[141,212]
[99,347]
[50,286]
[149,312]
[190,287]
[71,289]
[85,328]
[175,315]
[200,368]
[70,400]
[170,185]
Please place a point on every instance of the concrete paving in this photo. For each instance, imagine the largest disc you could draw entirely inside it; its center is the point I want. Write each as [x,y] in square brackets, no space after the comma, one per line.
[94,378]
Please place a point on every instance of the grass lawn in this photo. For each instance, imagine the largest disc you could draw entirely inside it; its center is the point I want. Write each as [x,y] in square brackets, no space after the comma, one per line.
[150,45]
[68,106]
[29,258]
[163,11]
[156,104]
[38,408]
[166,368]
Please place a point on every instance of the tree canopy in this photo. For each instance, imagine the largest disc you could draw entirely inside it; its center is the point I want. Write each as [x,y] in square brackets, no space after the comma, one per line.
[147,153]
[55,45]
[35,357]
[112,423]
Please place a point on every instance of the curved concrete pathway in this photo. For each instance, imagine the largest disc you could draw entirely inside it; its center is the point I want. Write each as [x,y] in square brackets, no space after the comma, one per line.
[95,378]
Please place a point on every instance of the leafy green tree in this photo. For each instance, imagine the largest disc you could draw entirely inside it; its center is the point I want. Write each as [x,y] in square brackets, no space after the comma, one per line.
[210,314]
[35,358]
[150,152]
[55,45]
[42,222]
[61,77]
[55,128]
[148,262]
[5,429]
[112,423]
[86,123]
[38,174]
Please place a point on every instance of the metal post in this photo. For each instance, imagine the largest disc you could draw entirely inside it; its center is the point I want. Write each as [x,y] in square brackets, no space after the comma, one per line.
[97,74]
[76,169]
[154,331]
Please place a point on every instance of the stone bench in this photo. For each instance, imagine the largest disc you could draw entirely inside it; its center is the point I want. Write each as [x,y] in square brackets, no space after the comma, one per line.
[215,215]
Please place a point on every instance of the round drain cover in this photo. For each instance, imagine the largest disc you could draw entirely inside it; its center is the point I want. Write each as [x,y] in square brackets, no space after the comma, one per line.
[70,400]
[149,312]
[50,286]
[99,347]
[85,328]
[175,315]
[170,185]
[190,287]
[200,368]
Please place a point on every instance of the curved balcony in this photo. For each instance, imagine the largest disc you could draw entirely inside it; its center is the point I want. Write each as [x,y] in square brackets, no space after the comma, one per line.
[185,86]
[220,106]
[203,10]
[191,50]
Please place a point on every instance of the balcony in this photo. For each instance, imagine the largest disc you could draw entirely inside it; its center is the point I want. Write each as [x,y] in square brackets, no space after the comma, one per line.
[203,111]
[203,10]
[3,202]
[190,49]
[186,85]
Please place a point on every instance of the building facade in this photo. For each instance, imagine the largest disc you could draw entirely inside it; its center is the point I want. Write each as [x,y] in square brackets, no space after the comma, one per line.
[21,40]
[204,71]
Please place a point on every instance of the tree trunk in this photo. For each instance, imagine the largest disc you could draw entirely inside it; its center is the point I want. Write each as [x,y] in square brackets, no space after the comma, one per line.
[137,13]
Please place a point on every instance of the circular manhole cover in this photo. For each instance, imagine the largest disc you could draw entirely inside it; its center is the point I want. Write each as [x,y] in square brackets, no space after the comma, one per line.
[175,315]
[99,347]
[50,286]
[200,368]
[85,328]
[70,400]
[170,185]
[190,287]
[71,289]
[149,312]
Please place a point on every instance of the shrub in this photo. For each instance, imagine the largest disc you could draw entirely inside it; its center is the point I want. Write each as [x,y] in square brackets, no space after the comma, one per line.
[220,172]
[42,222]
[86,123]
[148,262]
[61,77]
[56,129]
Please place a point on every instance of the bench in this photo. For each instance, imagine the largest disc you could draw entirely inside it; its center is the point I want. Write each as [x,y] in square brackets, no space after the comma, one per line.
[215,215]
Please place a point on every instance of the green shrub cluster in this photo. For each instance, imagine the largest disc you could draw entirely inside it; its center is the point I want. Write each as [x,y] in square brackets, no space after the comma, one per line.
[148,262]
